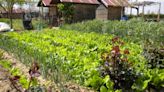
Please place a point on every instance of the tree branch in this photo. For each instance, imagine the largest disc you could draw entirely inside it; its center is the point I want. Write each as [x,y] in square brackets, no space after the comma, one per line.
[3,7]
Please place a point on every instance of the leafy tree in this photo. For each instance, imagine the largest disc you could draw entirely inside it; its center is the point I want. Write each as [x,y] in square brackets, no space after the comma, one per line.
[66,11]
[7,5]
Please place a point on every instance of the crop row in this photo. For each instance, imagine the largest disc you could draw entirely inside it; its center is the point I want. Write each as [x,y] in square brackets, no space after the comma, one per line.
[137,31]
[69,55]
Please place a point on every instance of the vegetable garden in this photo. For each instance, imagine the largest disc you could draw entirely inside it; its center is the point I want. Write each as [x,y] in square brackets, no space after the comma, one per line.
[105,56]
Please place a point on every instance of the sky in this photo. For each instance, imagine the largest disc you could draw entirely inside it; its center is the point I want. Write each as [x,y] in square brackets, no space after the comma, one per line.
[30,7]
[148,9]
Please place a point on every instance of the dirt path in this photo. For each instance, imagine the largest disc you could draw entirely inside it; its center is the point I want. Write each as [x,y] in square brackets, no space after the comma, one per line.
[24,70]
[5,84]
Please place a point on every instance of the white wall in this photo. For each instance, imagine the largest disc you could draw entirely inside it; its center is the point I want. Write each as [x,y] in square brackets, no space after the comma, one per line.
[148,9]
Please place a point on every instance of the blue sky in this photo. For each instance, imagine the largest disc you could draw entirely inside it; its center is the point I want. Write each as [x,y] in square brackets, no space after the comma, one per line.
[148,9]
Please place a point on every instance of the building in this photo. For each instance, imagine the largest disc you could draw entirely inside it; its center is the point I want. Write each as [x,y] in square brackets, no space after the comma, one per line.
[111,9]
[83,9]
[16,14]
[87,9]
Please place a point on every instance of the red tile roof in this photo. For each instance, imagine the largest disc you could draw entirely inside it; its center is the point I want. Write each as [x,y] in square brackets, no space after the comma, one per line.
[105,2]
[81,1]
[115,3]
[46,2]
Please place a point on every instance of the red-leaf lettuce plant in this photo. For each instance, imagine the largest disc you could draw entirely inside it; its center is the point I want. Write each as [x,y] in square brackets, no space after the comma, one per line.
[117,66]
[32,84]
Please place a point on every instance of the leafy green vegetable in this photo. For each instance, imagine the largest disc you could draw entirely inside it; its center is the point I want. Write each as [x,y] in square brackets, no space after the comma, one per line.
[65,55]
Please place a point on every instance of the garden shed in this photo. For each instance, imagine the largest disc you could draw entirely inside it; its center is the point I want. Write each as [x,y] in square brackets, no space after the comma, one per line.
[111,9]
[82,9]
[52,13]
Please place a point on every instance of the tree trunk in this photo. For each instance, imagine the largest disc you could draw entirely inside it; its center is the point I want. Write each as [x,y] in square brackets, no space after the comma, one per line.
[11,20]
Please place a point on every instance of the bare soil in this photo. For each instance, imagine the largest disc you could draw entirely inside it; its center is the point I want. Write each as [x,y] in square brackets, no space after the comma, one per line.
[5,84]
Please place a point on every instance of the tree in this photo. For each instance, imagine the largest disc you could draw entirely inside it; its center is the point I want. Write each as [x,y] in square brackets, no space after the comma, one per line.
[7,6]
[67,11]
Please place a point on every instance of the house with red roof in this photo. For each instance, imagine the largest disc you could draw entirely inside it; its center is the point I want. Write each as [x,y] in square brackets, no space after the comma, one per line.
[88,9]
[111,9]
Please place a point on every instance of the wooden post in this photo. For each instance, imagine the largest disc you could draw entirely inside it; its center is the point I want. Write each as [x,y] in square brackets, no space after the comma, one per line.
[158,17]
[121,11]
[138,11]
[57,15]
[143,9]
[130,10]
[42,18]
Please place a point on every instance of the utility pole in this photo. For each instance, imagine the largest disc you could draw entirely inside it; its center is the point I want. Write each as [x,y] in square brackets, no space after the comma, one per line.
[143,9]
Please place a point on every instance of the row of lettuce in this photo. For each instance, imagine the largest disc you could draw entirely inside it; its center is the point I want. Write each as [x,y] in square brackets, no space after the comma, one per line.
[147,34]
[85,59]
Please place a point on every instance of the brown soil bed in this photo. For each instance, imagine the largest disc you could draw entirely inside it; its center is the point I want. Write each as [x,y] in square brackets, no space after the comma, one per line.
[5,84]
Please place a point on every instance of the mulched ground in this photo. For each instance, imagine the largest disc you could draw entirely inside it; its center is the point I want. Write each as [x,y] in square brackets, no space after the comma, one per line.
[5,84]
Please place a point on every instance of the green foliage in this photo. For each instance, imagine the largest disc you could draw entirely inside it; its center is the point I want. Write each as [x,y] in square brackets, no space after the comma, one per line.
[17,76]
[151,78]
[94,82]
[74,55]
[107,85]
[23,79]
[155,57]
[18,24]
[103,89]
[1,54]
[67,11]
[149,35]
[7,5]
[66,55]
[137,31]
[157,78]
[5,64]
[14,72]
[142,83]
[117,65]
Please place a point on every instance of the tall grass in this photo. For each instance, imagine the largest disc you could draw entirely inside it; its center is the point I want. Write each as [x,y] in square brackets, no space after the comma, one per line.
[64,55]
[18,24]
[133,30]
